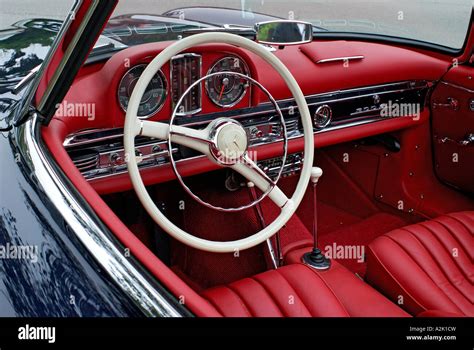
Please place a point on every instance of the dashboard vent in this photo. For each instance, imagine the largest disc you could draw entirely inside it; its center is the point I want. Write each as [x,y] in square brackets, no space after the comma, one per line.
[85,161]
[291,126]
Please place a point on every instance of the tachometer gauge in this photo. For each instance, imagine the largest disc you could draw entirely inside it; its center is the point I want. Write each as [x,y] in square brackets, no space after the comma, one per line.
[226,90]
[155,94]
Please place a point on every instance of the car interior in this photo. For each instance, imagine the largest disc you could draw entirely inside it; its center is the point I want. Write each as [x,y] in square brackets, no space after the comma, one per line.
[393,208]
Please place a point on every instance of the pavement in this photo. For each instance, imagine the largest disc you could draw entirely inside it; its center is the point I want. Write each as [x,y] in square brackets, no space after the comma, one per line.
[441,21]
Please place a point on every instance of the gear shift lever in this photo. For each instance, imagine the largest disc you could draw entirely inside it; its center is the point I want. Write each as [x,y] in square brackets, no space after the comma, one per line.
[315,258]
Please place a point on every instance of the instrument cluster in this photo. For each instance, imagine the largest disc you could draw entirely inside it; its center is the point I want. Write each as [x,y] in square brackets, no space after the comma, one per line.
[224,84]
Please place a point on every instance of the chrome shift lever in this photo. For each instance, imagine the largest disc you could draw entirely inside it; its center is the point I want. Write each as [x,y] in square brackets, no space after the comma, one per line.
[275,260]
[315,258]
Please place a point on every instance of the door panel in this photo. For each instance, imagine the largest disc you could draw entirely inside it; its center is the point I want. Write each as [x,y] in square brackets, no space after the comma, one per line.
[452,105]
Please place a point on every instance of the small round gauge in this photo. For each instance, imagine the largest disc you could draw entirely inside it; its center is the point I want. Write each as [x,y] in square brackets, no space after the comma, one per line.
[154,96]
[226,90]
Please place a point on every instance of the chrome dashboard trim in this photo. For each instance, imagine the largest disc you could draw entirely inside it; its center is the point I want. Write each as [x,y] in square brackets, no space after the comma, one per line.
[74,139]
[343,59]
[108,254]
[414,85]
[458,87]
[290,138]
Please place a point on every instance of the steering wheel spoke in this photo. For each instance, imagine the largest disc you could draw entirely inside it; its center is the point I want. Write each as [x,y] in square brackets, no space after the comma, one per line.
[198,140]
[152,129]
[250,170]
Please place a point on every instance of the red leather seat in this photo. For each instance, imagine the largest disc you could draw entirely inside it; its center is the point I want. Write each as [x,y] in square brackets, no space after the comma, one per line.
[427,266]
[297,290]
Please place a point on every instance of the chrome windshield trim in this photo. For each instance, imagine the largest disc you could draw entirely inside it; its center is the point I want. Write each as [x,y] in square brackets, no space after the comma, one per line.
[110,255]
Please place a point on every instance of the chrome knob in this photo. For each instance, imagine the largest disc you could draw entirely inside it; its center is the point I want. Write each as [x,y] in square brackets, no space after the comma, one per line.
[116,159]
[322,116]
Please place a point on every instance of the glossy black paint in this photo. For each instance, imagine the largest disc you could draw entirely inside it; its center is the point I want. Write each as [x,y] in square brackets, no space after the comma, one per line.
[23,46]
[64,281]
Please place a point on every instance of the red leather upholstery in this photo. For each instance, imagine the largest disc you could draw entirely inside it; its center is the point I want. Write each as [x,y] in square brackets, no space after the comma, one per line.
[428,265]
[299,291]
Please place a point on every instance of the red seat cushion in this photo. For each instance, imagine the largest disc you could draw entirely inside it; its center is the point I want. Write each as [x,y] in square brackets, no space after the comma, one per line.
[295,290]
[427,266]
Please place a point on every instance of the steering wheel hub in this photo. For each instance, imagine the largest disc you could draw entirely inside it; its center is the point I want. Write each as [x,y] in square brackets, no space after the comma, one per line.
[229,141]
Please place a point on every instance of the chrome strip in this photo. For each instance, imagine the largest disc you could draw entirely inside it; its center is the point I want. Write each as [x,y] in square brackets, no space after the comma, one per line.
[458,87]
[103,249]
[23,82]
[413,83]
[71,140]
[337,59]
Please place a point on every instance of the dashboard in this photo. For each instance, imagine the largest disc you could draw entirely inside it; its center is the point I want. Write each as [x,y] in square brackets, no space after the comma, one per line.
[347,99]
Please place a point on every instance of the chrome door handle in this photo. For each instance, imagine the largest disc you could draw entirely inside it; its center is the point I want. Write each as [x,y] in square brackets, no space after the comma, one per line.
[468,140]
[452,103]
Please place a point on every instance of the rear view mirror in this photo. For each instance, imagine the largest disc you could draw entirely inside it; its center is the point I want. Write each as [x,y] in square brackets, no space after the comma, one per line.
[284,32]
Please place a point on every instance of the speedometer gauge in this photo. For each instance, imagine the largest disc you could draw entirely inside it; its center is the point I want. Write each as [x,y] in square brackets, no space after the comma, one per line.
[154,96]
[226,90]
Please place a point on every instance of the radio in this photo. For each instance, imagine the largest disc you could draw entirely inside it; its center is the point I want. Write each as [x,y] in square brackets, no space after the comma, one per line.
[293,165]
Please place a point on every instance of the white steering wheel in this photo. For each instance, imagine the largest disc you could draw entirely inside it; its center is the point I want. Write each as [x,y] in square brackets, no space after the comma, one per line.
[222,137]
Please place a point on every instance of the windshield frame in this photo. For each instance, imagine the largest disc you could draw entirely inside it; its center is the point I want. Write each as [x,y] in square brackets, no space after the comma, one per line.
[326,34]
